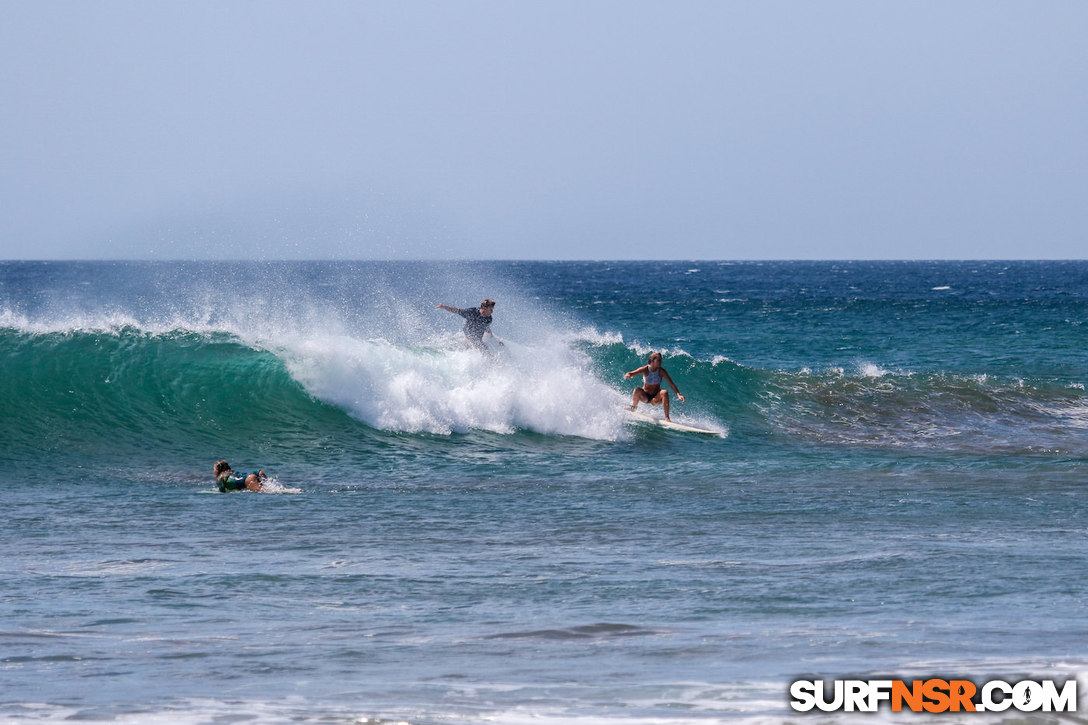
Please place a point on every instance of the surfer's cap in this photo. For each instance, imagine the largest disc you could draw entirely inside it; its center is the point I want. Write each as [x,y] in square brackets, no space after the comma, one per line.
[487,303]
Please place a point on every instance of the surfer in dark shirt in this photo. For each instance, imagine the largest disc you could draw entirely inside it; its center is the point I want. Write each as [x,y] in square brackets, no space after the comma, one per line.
[227,480]
[651,392]
[477,322]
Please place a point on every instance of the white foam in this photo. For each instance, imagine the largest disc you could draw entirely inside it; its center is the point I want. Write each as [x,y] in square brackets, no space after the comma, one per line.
[595,337]
[448,388]
[271,485]
[108,321]
[644,350]
[760,702]
[871,370]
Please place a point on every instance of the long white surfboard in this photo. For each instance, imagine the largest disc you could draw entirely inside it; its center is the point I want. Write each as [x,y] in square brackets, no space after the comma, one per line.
[670,424]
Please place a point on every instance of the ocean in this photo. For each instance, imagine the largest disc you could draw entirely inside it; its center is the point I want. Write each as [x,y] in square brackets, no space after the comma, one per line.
[896,488]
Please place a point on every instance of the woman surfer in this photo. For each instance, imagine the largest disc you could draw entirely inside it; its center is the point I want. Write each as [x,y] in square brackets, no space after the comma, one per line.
[650,392]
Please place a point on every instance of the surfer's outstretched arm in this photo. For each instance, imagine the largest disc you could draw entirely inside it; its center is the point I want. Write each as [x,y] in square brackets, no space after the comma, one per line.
[447,308]
[668,379]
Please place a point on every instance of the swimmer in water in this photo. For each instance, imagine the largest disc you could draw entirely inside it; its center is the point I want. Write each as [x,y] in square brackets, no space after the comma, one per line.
[228,480]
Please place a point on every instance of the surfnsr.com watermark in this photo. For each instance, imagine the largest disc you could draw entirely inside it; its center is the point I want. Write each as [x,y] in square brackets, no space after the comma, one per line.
[934,695]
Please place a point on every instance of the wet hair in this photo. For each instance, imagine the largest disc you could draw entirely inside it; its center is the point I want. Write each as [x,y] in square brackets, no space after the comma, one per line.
[487,303]
[221,467]
[653,355]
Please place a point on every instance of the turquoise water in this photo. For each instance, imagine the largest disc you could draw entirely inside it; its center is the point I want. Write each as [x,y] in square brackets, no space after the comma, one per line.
[896,487]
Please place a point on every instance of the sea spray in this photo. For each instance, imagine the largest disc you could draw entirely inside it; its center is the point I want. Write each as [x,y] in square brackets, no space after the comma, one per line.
[545,388]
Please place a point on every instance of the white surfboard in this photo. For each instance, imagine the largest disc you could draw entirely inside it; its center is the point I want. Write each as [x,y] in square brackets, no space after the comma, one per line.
[670,424]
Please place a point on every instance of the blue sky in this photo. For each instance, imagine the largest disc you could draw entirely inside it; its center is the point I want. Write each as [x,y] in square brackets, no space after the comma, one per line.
[544,130]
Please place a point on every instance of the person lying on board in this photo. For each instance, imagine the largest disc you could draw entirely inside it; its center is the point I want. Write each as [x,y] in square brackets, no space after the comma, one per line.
[650,392]
[477,322]
[228,480]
